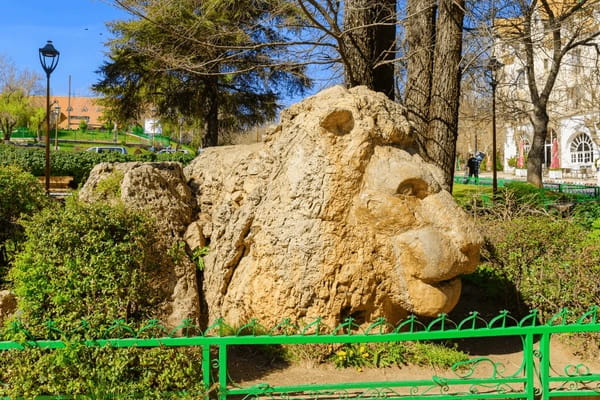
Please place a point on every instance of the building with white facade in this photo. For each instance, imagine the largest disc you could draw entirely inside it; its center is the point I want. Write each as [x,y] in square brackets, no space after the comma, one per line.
[574,105]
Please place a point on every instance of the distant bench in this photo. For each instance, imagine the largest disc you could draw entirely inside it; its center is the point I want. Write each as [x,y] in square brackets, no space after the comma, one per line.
[57,183]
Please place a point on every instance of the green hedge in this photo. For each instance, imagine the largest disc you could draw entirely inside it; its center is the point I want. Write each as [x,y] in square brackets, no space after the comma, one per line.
[77,165]
[93,263]
[102,373]
[21,195]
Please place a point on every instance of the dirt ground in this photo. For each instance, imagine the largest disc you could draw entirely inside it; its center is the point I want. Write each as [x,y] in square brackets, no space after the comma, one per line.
[251,369]
[247,372]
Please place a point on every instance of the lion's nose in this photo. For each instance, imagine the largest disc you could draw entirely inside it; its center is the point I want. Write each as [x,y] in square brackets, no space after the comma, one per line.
[430,255]
[453,230]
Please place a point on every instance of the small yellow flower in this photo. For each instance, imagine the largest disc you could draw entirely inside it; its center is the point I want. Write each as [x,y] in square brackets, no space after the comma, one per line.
[341,353]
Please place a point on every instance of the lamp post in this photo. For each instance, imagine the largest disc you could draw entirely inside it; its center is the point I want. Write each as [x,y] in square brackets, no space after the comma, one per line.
[494,65]
[69,109]
[49,59]
[154,112]
[57,120]
[181,121]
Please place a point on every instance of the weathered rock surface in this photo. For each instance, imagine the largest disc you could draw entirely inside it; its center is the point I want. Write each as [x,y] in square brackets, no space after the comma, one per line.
[8,305]
[333,216]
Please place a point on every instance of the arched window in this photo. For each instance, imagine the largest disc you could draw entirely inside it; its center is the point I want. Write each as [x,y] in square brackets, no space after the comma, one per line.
[582,150]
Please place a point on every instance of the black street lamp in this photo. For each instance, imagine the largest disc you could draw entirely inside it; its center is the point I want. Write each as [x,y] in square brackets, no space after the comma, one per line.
[494,65]
[49,59]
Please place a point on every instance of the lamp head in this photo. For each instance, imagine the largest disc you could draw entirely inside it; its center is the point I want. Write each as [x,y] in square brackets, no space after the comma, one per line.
[49,57]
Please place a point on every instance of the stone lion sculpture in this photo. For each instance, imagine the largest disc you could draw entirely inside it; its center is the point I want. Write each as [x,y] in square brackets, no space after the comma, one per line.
[333,216]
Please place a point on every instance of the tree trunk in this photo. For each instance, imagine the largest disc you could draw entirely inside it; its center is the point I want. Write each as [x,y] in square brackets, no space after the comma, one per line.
[535,158]
[211,136]
[433,82]
[369,44]
[385,47]
[440,142]
[420,34]
[6,130]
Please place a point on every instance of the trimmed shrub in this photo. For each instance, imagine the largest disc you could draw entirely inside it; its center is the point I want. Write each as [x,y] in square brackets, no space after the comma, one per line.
[82,268]
[21,194]
[549,261]
[86,261]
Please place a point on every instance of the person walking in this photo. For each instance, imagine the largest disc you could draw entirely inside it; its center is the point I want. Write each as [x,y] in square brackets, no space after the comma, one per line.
[473,168]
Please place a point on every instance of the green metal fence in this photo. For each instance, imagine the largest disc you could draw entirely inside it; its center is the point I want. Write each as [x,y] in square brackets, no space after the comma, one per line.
[22,133]
[581,192]
[535,378]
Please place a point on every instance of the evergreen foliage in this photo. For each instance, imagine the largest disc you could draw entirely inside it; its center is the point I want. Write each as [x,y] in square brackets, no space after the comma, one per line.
[221,61]
[84,262]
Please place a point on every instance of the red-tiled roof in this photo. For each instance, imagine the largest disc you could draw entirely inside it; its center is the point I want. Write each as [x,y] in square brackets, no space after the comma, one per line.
[75,109]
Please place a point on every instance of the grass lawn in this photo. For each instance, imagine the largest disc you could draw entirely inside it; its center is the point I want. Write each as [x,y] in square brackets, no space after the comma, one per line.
[100,136]
[465,193]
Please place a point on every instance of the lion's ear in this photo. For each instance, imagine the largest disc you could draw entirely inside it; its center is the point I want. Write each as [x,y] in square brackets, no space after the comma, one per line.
[340,121]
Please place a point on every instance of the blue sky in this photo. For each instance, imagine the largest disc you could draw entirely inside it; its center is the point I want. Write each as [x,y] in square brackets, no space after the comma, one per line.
[77,29]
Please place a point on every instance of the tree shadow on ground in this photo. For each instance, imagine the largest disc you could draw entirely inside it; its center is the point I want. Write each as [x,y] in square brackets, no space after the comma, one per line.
[489,296]
[245,363]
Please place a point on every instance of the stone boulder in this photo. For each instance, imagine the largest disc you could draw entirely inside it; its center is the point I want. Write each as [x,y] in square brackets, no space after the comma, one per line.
[335,215]
[161,190]
[8,305]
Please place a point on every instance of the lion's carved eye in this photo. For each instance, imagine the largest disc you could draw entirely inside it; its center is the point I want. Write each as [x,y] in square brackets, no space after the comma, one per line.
[414,188]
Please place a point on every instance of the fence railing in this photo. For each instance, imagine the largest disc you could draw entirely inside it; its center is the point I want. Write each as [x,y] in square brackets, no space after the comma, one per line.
[581,191]
[535,378]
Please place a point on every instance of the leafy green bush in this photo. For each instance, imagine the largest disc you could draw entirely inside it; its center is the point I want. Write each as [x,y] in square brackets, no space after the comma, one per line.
[102,372]
[527,193]
[587,213]
[137,130]
[92,263]
[21,194]
[549,261]
[87,261]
